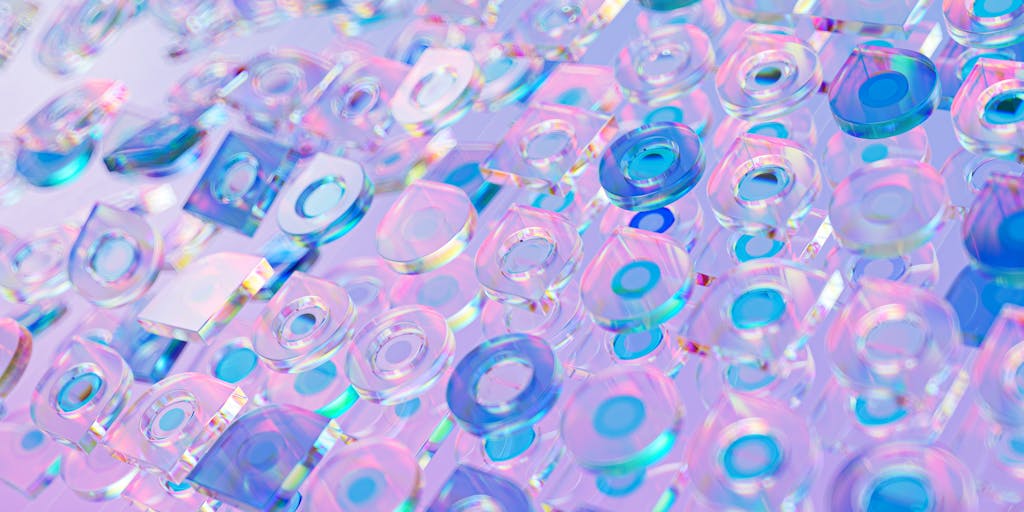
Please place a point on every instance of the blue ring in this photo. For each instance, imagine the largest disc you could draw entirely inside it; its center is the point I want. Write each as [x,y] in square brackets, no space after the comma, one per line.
[530,405]
[651,192]
[666,216]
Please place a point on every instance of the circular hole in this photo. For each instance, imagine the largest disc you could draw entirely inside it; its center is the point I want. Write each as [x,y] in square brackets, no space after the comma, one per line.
[503,447]
[763,183]
[113,257]
[1005,108]
[905,493]
[239,176]
[236,365]
[279,79]
[757,308]
[320,197]
[773,129]
[636,345]
[172,419]
[767,75]
[649,159]
[557,19]
[895,340]
[754,247]
[752,456]
[398,351]
[360,98]
[657,221]
[883,89]
[635,279]
[502,382]
[886,204]
[619,416]
[302,324]
[748,376]
[996,8]
[874,153]
[314,381]
[433,87]
[661,65]
[79,391]
[528,253]
[878,410]
[548,145]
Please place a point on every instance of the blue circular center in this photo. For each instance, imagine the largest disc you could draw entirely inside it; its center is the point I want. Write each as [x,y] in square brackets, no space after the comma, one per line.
[362,489]
[876,412]
[763,183]
[316,380]
[664,114]
[635,279]
[1005,108]
[767,75]
[496,68]
[619,416]
[32,439]
[504,447]
[900,494]
[262,455]
[78,391]
[752,456]
[463,174]
[874,153]
[172,419]
[1011,232]
[773,129]
[236,365]
[650,162]
[996,8]
[752,248]
[657,221]
[636,345]
[757,308]
[884,89]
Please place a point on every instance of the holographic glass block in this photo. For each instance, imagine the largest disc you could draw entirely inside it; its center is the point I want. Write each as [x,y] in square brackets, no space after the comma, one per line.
[325,201]
[73,118]
[81,30]
[165,146]
[869,17]
[832,47]
[997,368]
[622,420]
[665,63]
[205,296]
[955,62]
[769,75]
[285,256]
[881,92]
[764,186]
[17,17]
[503,384]
[199,88]
[463,12]
[592,88]
[367,476]
[241,182]
[262,458]
[469,487]
[562,30]
[990,231]
[97,475]
[82,394]
[150,357]
[453,290]
[438,90]
[636,281]
[35,460]
[461,168]
[978,300]
[888,208]
[115,258]
[984,23]
[652,166]
[529,253]
[988,110]
[35,268]
[306,322]
[547,146]
[429,225]
[174,423]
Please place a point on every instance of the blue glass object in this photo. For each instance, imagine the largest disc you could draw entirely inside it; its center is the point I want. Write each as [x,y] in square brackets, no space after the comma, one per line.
[467,486]
[482,415]
[241,183]
[263,457]
[977,299]
[286,257]
[49,168]
[652,166]
[149,356]
[461,168]
[993,231]
[880,92]
[163,147]
[41,316]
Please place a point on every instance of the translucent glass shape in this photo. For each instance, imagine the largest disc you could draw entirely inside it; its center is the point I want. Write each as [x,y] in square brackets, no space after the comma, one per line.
[429,225]
[769,75]
[988,110]
[80,30]
[438,90]
[325,201]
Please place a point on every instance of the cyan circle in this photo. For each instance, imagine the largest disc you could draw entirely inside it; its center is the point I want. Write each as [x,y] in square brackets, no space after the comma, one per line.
[665,114]
[172,419]
[78,391]
[626,347]
[663,218]
[362,490]
[757,308]
[996,8]
[884,89]
[502,447]
[619,416]
[32,439]
[752,456]
[772,129]
[635,279]
[1005,108]
[874,153]
[902,493]
[236,365]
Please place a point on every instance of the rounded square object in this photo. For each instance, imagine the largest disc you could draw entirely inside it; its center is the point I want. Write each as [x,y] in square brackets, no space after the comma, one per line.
[165,146]
[652,166]
[438,90]
[306,322]
[325,201]
[530,253]
[894,19]
[279,84]
[82,393]
[988,110]
[175,422]
[637,281]
[547,146]
[34,459]
[241,182]
[428,226]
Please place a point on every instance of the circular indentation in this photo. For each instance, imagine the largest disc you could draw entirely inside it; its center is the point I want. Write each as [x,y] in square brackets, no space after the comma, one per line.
[904,493]
[314,381]
[752,456]
[996,8]
[657,221]
[320,197]
[895,340]
[612,484]
[502,382]
[767,75]
[749,247]
[79,391]
[531,252]
[649,158]
[747,376]
[362,490]
[772,129]
[874,153]
[433,87]
[763,183]
[235,365]
[883,89]
[279,79]
[32,439]
[360,98]
[239,176]
[636,345]
[636,278]
[547,145]
[878,411]
[667,114]
[757,308]
[1005,108]
[619,416]
[661,65]
[262,453]
[172,419]
[397,350]
[503,447]
[886,204]
[302,324]
[113,257]
[438,291]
